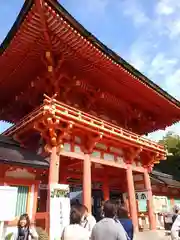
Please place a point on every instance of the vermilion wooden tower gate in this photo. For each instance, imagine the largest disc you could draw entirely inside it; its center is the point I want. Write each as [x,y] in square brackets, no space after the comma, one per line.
[101,108]
[60,124]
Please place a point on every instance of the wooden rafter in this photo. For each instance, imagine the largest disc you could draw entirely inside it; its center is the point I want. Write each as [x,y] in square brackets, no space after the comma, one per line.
[49,52]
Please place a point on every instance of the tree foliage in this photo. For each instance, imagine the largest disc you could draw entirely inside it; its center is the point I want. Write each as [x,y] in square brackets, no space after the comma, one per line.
[171,141]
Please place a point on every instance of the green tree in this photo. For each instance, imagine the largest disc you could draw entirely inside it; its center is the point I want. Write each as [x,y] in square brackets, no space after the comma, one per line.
[171,141]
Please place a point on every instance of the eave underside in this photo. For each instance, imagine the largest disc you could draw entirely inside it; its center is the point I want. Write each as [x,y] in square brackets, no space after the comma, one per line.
[92,76]
[58,123]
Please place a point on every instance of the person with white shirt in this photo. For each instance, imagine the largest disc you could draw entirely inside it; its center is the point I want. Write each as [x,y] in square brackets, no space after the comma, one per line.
[88,220]
[75,231]
[175,230]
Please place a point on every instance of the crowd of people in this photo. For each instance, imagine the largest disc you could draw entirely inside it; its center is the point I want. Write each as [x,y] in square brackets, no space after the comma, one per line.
[114,225]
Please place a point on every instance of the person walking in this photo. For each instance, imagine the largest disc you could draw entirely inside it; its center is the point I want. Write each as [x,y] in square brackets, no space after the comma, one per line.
[75,231]
[108,228]
[126,222]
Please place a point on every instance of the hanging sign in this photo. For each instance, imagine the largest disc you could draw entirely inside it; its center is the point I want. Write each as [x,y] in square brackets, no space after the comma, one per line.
[160,204]
[43,186]
[142,198]
[142,206]
[59,209]
[142,195]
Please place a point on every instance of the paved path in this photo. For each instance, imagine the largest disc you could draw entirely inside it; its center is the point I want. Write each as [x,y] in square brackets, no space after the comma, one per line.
[152,235]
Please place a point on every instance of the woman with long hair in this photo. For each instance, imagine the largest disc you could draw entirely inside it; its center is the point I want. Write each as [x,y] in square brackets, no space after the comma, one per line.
[75,231]
[24,230]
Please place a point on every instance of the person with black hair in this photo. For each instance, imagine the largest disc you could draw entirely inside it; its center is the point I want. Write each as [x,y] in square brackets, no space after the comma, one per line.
[25,230]
[176,210]
[175,230]
[108,228]
[75,231]
[126,222]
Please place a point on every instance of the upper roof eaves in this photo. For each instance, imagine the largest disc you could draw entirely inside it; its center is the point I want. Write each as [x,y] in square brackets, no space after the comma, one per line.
[90,37]
[19,20]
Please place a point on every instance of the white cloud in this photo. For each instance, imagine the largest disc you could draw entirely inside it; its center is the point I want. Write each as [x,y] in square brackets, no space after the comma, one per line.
[164,7]
[134,10]
[150,53]
[156,51]
[162,65]
[168,17]
[172,83]
[174,28]
[167,7]
[166,70]
[137,60]
[174,79]
[138,54]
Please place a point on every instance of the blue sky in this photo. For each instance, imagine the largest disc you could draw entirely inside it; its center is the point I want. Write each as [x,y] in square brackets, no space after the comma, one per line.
[145,33]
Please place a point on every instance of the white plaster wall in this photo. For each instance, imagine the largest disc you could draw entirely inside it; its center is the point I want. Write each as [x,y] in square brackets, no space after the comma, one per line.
[31,200]
[10,229]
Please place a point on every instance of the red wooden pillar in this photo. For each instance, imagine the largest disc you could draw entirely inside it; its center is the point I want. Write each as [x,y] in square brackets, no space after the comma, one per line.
[54,167]
[53,173]
[132,197]
[53,179]
[172,202]
[152,220]
[87,182]
[105,188]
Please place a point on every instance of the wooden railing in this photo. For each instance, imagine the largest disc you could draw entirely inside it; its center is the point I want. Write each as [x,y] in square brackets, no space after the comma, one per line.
[103,126]
[86,121]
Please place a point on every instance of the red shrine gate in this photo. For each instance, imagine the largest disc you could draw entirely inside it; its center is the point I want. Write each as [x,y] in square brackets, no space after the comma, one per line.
[66,129]
[48,51]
